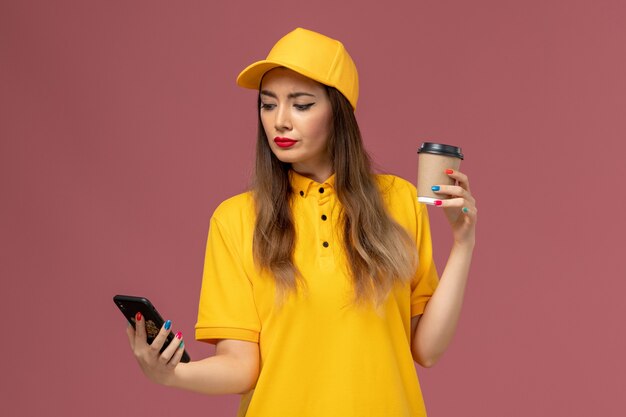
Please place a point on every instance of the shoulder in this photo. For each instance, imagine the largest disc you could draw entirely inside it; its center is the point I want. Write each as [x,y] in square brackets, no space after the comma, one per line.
[400,197]
[236,210]
[392,186]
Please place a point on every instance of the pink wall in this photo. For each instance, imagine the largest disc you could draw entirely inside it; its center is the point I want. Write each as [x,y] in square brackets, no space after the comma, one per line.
[121,129]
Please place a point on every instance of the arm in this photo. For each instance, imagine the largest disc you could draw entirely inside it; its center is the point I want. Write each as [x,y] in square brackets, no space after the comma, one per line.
[433,331]
[233,369]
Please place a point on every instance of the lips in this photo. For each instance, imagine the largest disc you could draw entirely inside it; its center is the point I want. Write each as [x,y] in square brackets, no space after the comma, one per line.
[284,142]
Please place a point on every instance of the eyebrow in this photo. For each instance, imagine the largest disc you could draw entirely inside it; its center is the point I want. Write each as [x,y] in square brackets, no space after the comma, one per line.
[290,95]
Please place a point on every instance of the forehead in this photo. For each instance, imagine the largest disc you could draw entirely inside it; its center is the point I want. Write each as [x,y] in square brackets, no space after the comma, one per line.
[284,79]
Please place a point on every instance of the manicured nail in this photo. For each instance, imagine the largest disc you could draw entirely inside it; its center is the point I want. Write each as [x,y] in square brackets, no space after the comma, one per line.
[449,171]
[438,202]
[435,188]
[182,345]
[168,324]
[138,316]
[179,335]
[465,210]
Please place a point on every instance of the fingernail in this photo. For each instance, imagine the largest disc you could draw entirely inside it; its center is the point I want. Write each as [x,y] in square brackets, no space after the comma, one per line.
[179,335]
[182,345]
[438,202]
[449,171]
[168,324]
[435,188]
[465,210]
[138,316]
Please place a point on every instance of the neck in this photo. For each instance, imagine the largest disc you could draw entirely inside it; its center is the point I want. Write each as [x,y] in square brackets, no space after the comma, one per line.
[318,174]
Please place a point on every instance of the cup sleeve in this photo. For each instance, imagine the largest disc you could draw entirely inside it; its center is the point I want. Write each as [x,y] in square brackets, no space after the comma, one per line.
[227,308]
[426,277]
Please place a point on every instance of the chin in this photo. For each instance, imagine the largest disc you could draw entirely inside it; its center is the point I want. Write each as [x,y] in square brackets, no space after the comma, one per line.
[286,159]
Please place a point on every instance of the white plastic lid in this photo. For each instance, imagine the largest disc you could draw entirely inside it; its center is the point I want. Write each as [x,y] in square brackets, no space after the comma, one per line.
[427,200]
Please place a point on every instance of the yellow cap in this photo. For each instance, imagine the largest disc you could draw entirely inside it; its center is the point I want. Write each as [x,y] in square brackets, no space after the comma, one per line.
[313,55]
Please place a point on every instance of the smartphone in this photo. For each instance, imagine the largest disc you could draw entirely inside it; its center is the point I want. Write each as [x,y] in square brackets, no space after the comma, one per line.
[129,306]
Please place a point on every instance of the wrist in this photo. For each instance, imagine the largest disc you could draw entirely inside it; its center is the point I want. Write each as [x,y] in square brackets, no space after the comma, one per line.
[465,246]
[173,378]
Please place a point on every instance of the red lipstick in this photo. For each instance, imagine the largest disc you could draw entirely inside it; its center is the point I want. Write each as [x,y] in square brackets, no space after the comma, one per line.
[284,142]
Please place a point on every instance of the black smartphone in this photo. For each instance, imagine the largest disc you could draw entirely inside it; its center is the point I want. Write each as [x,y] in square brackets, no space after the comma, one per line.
[129,306]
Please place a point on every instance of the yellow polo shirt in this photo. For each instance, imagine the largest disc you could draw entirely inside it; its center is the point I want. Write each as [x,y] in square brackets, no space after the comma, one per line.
[321,355]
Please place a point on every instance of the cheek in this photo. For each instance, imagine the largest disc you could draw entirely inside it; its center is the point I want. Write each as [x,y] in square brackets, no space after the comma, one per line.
[320,128]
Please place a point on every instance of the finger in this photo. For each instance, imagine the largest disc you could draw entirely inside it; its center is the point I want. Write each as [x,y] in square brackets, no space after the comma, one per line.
[460,177]
[455,202]
[453,190]
[178,355]
[180,349]
[467,208]
[140,330]
[161,337]
[470,213]
[459,208]
[130,332]
[171,349]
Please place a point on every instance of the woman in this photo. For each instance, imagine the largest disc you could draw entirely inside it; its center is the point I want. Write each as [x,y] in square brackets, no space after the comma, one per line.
[319,284]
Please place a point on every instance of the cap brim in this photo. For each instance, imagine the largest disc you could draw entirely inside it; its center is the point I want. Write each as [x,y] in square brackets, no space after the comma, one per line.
[251,76]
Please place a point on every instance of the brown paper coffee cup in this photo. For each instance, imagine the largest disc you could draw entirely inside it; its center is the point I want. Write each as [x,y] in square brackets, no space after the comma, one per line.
[433,160]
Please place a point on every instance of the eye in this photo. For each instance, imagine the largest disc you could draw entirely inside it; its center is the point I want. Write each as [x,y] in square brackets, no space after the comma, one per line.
[267,106]
[303,107]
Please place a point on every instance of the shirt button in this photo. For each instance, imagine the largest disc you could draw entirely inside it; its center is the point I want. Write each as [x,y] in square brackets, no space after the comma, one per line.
[324,217]
[302,193]
[321,190]
[325,244]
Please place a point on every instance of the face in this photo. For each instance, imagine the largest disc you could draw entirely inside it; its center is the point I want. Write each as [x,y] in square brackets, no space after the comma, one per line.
[296,115]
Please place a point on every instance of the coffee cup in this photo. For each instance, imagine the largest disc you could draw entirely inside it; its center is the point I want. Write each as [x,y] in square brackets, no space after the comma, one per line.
[433,160]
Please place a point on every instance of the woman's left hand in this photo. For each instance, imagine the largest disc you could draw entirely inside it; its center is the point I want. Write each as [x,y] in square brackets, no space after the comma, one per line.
[460,208]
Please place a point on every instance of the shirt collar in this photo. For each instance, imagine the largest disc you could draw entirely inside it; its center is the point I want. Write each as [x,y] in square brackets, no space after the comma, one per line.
[304,185]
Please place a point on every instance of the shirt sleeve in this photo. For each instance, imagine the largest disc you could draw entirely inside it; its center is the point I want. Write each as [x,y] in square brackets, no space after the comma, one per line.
[426,278]
[226,309]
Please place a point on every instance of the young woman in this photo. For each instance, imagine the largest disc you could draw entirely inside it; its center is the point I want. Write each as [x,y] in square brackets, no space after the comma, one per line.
[319,286]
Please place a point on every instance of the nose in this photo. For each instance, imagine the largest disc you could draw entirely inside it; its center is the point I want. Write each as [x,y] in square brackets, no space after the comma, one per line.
[283,118]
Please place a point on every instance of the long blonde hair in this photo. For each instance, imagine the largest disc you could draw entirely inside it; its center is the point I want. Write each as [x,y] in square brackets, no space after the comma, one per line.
[378,250]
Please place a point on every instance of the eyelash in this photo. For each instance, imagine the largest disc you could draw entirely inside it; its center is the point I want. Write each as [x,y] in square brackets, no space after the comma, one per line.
[299,107]
[303,107]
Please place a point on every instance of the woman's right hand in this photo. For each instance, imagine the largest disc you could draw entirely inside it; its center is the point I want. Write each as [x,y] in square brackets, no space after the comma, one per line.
[158,367]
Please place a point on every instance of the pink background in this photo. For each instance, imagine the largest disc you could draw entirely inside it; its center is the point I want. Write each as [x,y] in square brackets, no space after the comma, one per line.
[121,129]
